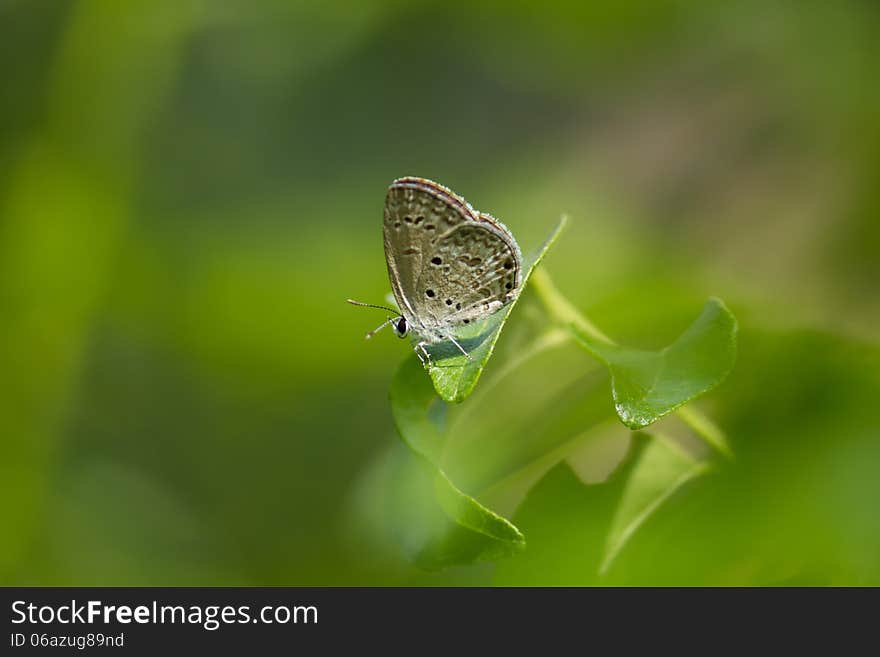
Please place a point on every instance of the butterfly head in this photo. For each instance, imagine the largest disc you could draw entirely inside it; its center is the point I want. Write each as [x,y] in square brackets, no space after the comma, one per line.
[399,324]
[400,327]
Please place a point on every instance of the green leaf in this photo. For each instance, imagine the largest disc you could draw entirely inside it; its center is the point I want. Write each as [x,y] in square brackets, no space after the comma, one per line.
[577,530]
[647,385]
[567,524]
[662,468]
[453,374]
[467,531]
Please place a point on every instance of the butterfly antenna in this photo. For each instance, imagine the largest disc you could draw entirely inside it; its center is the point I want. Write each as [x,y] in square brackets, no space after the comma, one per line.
[378,328]
[371,305]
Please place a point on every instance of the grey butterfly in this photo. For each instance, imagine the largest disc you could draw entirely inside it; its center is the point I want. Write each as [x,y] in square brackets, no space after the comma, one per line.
[449,264]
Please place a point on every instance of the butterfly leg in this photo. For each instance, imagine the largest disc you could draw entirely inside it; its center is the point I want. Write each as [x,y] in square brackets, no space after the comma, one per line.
[423,354]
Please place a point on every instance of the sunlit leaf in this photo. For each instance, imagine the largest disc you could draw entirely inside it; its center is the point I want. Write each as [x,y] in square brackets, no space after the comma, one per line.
[647,385]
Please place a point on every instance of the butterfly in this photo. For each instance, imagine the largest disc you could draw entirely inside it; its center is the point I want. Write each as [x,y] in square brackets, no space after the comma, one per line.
[449,265]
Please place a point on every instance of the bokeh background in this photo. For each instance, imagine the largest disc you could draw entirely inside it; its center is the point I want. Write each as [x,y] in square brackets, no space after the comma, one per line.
[190,190]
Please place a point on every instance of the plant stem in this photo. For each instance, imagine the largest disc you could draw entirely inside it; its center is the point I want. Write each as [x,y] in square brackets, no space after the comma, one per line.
[705,428]
[565,314]
[560,308]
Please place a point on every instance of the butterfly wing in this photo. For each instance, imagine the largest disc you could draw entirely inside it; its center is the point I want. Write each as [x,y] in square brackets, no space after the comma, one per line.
[417,213]
[468,273]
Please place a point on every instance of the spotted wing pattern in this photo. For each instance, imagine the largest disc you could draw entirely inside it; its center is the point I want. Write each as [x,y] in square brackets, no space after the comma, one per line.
[417,212]
[470,272]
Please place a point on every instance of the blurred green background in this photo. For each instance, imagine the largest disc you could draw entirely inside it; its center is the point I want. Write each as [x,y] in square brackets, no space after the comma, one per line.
[190,190]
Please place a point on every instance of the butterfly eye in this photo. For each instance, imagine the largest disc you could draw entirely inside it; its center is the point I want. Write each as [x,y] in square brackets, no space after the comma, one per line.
[401,328]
